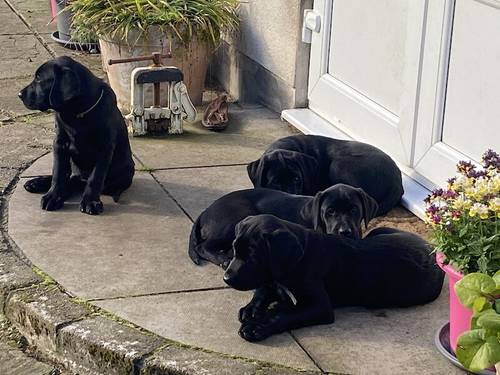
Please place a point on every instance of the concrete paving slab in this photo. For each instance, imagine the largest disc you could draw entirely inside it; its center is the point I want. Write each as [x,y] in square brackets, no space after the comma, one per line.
[389,341]
[21,143]
[103,346]
[6,177]
[10,24]
[14,274]
[21,55]
[245,142]
[37,14]
[40,311]
[174,360]
[10,104]
[41,167]
[138,246]
[207,319]
[196,188]
[15,362]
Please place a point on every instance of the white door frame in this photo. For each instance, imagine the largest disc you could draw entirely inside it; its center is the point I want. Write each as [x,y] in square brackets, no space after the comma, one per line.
[311,120]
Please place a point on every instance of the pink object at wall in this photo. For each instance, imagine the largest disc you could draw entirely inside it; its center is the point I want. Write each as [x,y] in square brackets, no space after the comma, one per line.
[53,8]
[460,316]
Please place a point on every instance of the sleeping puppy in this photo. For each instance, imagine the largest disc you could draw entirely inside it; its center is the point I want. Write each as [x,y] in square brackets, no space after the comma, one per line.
[301,275]
[340,209]
[91,147]
[306,164]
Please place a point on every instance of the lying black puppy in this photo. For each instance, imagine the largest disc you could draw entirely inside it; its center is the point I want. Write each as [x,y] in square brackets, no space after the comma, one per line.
[340,209]
[91,148]
[318,272]
[306,164]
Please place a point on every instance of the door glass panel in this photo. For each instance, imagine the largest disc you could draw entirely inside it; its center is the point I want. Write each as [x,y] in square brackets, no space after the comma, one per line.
[472,113]
[367,50]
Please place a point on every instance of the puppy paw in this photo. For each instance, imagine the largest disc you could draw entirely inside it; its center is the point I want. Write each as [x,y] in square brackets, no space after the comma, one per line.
[91,207]
[253,332]
[52,201]
[249,313]
[38,184]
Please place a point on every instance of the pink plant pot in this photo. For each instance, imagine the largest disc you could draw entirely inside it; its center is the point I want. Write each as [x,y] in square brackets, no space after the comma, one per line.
[460,316]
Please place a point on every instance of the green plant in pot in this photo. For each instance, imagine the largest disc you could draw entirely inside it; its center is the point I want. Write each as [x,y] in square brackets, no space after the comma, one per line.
[479,347]
[465,227]
[189,29]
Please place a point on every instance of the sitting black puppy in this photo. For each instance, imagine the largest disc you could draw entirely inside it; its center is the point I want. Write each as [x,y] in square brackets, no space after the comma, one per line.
[91,148]
[340,209]
[388,268]
[306,164]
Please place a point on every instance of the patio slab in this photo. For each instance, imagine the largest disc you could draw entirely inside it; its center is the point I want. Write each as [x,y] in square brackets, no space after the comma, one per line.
[388,341]
[21,55]
[10,23]
[196,188]
[207,319]
[21,143]
[37,14]
[137,247]
[245,140]
[132,260]
[10,104]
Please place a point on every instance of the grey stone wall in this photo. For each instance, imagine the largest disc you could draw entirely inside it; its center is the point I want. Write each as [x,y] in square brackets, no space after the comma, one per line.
[266,61]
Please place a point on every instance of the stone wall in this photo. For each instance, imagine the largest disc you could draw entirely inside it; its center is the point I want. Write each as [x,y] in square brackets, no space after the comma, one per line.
[266,61]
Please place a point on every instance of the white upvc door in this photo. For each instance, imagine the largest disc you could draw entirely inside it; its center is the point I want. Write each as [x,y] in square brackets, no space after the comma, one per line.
[459,114]
[418,78]
[365,70]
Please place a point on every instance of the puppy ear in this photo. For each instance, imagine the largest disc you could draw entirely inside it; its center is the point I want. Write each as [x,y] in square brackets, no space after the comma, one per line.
[256,171]
[285,252]
[309,167]
[66,86]
[318,223]
[370,206]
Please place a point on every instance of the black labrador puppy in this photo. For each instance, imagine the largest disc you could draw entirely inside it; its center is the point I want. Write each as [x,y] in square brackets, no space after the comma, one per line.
[306,164]
[91,147]
[339,209]
[301,275]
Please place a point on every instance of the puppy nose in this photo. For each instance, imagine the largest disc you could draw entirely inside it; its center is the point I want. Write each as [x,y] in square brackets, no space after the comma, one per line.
[20,94]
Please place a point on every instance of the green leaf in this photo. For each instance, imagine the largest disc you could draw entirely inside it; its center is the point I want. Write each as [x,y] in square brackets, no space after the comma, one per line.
[489,320]
[463,231]
[496,278]
[472,286]
[477,351]
[480,304]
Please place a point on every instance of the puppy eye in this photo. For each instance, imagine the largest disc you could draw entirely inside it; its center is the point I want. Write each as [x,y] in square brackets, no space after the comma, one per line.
[296,179]
[354,210]
[330,211]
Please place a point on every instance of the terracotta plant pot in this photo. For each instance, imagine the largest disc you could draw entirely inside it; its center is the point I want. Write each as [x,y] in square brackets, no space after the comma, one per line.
[191,59]
[460,316]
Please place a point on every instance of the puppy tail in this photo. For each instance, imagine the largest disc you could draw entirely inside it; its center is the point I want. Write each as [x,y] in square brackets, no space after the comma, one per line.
[193,242]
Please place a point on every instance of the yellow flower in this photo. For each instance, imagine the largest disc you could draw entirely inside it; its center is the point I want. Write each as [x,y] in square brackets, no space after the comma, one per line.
[494,205]
[479,209]
[461,183]
[462,203]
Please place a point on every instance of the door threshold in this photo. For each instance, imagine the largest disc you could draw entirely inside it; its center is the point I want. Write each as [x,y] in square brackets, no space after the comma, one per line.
[308,122]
